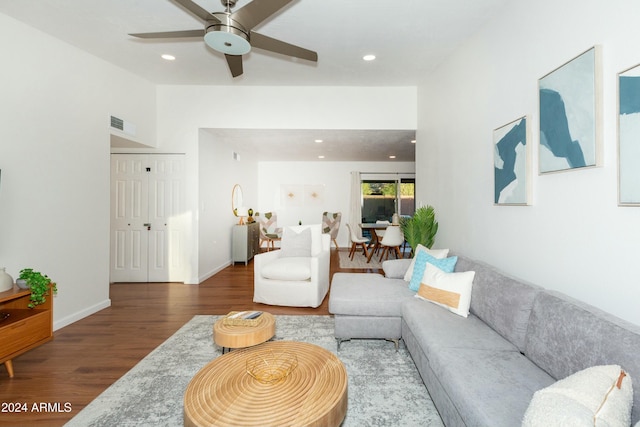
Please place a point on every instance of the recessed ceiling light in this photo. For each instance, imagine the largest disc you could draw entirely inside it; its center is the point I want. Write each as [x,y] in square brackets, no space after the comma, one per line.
[392,157]
[318,141]
[413,141]
[168,57]
[369,57]
[321,157]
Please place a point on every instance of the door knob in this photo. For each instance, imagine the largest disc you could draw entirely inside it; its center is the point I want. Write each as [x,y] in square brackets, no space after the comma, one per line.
[148,225]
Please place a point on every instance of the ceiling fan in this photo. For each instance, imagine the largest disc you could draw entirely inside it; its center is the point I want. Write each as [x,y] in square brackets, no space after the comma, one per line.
[232,32]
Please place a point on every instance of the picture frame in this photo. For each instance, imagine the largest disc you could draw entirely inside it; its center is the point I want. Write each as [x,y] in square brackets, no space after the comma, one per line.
[629,136]
[570,110]
[314,194]
[512,163]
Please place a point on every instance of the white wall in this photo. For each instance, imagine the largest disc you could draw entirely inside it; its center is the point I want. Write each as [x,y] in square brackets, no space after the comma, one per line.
[218,173]
[184,110]
[54,156]
[573,238]
[334,176]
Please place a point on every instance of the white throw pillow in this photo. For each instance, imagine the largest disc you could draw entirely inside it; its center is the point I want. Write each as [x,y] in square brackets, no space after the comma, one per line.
[295,243]
[316,236]
[436,253]
[288,269]
[597,396]
[449,290]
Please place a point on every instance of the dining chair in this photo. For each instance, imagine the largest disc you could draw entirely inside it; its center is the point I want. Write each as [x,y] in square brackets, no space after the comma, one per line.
[269,230]
[393,239]
[355,241]
[379,234]
[331,225]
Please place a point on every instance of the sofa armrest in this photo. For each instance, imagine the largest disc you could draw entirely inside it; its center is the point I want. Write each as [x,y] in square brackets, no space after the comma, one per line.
[396,268]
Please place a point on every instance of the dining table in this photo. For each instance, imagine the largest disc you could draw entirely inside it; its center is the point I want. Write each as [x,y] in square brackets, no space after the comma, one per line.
[375,242]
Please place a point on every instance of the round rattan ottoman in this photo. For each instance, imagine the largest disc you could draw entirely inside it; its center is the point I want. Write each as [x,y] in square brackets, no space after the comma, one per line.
[314,393]
[238,336]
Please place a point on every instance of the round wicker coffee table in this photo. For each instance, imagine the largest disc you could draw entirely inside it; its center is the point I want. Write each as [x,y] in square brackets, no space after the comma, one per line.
[314,393]
[237,336]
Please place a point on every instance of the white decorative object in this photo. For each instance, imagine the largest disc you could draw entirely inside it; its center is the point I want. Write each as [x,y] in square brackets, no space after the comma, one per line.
[6,281]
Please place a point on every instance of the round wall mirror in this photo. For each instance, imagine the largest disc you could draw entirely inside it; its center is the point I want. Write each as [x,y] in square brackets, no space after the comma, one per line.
[236,198]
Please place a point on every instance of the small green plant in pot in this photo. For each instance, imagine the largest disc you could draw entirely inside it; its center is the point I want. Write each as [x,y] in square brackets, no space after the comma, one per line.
[421,228]
[39,285]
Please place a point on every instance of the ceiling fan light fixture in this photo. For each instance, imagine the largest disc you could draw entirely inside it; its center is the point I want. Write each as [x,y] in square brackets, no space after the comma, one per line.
[228,40]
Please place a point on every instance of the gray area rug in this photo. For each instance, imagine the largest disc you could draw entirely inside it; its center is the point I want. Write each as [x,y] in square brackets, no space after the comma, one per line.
[384,387]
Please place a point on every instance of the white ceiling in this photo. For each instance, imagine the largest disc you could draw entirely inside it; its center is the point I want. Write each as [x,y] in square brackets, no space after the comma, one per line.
[409,38]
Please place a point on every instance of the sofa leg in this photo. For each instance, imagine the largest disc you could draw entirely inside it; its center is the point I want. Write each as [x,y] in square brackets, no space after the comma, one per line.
[340,341]
[395,341]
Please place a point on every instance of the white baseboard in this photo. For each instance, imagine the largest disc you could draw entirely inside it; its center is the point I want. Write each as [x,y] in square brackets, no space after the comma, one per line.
[213,272]
[61,323]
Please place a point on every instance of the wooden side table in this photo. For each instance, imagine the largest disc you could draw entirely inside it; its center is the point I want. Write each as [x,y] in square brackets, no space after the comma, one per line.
[313,394]
[233,336]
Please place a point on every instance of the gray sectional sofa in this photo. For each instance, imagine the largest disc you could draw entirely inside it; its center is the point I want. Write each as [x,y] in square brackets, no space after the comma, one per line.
[484,369]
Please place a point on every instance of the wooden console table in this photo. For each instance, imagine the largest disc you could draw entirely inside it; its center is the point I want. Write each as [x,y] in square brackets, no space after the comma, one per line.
[24,328]
[313,394]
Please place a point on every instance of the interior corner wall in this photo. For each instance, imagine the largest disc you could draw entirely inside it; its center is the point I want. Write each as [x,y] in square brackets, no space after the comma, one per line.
[335,179]
[54,156]
[219,172]
[184,110]
[573,238]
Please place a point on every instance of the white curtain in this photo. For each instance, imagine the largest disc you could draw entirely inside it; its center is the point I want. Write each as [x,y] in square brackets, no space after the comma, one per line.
[355,207]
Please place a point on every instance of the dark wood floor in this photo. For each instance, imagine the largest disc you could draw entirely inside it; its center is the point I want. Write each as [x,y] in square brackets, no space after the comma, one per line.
[88,356]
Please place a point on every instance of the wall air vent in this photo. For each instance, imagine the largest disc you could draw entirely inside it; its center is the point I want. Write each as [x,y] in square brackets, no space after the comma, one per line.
[126,127]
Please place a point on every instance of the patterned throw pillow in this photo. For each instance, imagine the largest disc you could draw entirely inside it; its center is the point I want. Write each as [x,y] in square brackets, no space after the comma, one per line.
[436,253]
[449,290]
[422,259]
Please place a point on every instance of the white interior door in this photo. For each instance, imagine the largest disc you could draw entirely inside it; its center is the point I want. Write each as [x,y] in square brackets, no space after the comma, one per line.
[146,221]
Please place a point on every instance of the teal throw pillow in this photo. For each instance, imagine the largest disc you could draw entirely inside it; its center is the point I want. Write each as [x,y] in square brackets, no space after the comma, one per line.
[445,264]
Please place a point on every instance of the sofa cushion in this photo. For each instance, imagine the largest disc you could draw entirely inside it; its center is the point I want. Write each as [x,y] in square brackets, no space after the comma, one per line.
[600,395]
[489,387]
[295,243]
[436,253]
[367,294]
[566,336]
[449,290]
[504,303]
[288,268]
[435,328]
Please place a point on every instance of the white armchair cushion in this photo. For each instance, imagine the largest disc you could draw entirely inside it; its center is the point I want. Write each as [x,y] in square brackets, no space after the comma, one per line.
[288,268]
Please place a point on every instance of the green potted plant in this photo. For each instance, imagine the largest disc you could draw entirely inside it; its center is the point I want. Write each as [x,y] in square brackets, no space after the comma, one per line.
[421,228]
[38,283]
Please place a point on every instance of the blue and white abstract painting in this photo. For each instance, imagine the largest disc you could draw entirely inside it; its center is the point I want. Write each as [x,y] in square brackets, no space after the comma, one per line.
[629,137]
[511,163]
[569,115]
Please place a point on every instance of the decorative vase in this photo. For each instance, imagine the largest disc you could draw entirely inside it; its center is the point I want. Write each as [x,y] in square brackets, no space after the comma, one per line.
[395,219]
[6,281]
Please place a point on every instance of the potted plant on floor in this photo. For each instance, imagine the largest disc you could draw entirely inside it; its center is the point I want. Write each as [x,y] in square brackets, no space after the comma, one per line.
[38,283]
[421,228]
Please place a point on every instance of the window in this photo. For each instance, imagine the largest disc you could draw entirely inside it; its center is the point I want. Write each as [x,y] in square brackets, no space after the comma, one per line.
[381,198]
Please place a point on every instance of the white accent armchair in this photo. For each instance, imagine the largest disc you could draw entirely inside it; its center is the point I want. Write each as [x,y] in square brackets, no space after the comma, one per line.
[297,275]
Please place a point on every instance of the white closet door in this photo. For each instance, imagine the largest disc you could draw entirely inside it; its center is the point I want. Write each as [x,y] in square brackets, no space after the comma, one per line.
[146,222]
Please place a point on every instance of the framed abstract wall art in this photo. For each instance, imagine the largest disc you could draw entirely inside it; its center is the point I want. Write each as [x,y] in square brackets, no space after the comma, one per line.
[629,137]
[511,163]
[570,115]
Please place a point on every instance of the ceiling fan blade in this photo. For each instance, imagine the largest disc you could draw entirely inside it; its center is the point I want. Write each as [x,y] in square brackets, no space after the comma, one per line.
[235,64]
[274,45]
[197,10]
[170,34]
[257,11]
